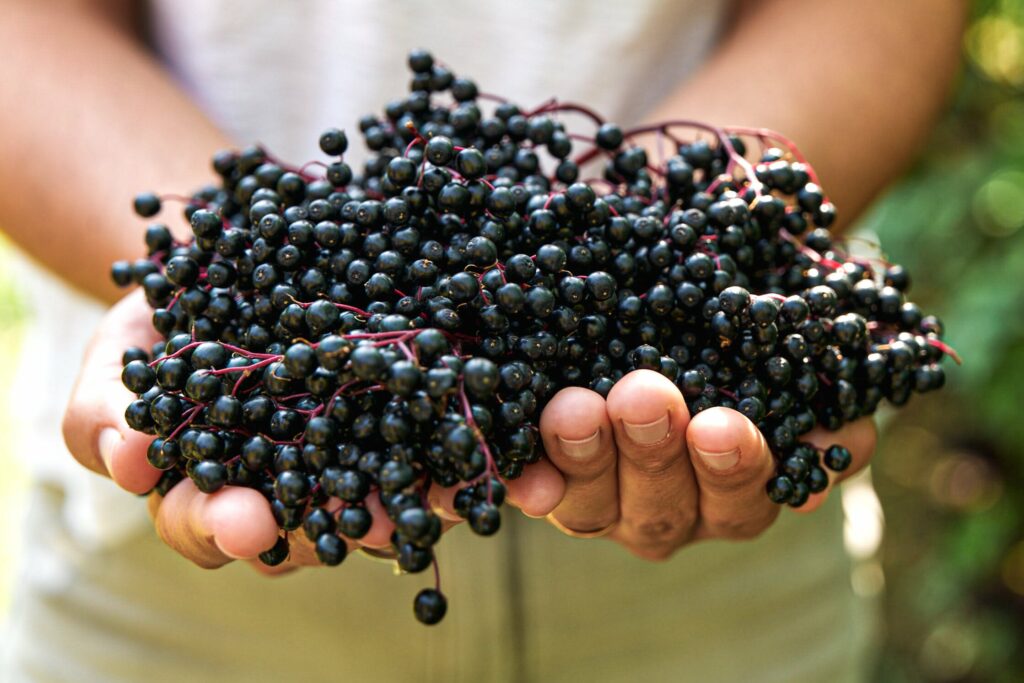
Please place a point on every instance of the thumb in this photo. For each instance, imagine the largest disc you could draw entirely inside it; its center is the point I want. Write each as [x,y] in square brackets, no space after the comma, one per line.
[213,529]
[94,425]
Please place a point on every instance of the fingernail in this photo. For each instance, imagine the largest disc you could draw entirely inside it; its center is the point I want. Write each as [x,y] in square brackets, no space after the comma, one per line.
[109,440]
[719,461]
[445,515]
[649,433]
[233,556]
[581,448]
[524,512]
[209,519]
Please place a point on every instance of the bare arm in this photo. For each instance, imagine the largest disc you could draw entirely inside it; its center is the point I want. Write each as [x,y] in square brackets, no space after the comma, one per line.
[90,120]
[857,85]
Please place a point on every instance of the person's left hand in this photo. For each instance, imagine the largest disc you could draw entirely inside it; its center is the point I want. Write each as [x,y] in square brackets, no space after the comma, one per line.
[639,470]
[235,522]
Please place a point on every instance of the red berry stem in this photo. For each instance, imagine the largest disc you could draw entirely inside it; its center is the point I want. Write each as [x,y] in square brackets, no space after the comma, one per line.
[946,349]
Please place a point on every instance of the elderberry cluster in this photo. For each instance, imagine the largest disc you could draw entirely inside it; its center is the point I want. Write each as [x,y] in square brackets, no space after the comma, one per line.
[340,338]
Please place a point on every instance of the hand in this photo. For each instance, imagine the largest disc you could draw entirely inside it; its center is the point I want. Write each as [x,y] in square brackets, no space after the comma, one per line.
[235,522]
[640,470]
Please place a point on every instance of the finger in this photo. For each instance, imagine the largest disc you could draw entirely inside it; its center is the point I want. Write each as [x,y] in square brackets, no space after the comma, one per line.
[578,441]
[213,529]
[442,502]
[286,567]
[94,427]
[657,492]
[732,462]
[539,490]
[379,535]
[859,437]
[302,549]
[301,553]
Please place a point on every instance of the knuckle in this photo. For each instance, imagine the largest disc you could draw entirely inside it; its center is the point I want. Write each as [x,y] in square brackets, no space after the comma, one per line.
[653,553]
[655,460]
[740,528]
[588,470]
[661,531]
[741,478]
[655,530]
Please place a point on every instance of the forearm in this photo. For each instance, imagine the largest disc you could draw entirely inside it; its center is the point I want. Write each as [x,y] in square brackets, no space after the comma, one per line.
[89,120]
[857,85]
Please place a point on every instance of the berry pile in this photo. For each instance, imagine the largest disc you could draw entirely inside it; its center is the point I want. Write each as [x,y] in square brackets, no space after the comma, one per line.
[334,337]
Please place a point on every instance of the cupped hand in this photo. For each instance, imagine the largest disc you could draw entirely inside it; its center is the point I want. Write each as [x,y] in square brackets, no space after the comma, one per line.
[634,467]
[643,472]
[234,522]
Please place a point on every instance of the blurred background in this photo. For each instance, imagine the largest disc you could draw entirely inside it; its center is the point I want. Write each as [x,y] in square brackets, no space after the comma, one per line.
[14,482]
[950,470]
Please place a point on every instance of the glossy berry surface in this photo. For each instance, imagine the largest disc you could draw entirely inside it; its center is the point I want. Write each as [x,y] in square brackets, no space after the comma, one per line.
[341,338]
[430,606]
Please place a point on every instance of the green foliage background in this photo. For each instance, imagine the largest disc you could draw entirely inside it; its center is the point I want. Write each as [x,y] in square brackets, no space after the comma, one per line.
[950,471]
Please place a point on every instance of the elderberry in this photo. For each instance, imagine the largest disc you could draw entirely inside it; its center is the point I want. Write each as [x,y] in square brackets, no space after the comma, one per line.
[364,335]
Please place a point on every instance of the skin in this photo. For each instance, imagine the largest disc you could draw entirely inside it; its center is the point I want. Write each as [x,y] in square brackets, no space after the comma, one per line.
[635,468]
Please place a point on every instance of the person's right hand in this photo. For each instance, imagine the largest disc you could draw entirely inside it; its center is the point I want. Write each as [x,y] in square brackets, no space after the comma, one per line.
[235,522]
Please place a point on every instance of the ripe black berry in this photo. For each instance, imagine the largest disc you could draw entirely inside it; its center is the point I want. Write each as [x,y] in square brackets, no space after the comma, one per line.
[334,142]
[609,136]
[330,549]
[354,522]
[484,518]
[837,458]
[291,487]
[138,376]
[430,606]
[277,554]
[209,476]
[147,204]
[780,489]
[357,334]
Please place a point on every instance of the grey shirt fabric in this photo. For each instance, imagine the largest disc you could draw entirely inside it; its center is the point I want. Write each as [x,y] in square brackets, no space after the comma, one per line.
[526,605]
